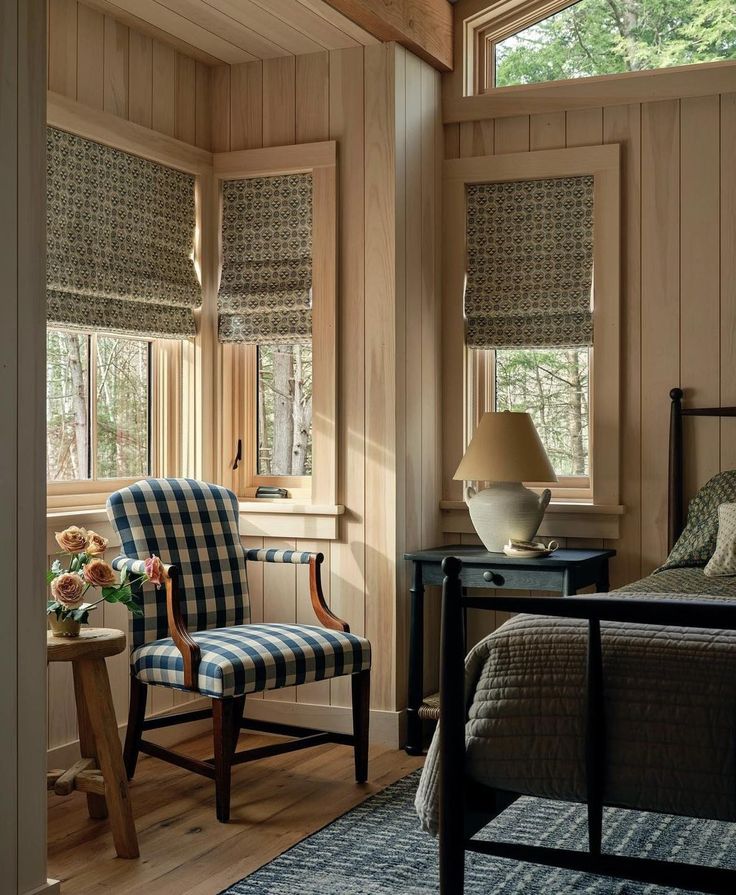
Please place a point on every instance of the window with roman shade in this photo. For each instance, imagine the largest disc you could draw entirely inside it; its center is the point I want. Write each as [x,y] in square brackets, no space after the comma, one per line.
[529,265]
[120,235]
[265,295]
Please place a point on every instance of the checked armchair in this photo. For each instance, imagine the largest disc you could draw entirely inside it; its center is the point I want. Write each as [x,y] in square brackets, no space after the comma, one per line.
[196,634]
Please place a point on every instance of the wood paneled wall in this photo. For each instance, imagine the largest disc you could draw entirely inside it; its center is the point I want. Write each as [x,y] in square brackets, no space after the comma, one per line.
[678,293]
[96,60]
[382,106]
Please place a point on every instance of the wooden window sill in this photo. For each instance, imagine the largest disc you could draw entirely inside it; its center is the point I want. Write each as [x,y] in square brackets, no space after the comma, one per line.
[563,519]
[258,518]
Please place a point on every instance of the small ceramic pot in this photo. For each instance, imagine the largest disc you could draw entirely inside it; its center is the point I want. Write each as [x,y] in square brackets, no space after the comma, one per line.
[64,627]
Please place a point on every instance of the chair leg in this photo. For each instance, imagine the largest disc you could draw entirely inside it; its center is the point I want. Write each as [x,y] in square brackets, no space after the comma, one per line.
[361,722]
[225,723]
[136,715]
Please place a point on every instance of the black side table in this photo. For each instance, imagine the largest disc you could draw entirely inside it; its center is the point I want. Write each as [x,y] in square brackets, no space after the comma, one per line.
[565,572]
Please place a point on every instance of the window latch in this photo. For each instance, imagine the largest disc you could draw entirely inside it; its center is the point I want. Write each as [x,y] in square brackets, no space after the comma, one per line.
[238,454]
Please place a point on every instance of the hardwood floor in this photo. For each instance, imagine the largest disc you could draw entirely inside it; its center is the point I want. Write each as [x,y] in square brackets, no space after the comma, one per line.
[184,850]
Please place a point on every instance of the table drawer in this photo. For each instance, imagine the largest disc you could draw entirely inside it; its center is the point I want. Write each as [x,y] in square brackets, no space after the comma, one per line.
[503,577]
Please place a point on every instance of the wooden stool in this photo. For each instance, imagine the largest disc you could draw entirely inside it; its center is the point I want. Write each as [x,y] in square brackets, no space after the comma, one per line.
[100,773]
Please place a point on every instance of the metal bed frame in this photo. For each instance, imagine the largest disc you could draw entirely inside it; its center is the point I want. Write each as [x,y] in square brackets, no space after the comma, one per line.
[464,809]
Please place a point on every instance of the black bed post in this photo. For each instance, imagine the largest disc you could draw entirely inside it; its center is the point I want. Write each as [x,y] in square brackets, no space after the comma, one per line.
[674,511]
[452,733]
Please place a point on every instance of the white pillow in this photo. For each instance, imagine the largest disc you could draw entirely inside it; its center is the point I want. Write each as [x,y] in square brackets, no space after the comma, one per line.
[723,561]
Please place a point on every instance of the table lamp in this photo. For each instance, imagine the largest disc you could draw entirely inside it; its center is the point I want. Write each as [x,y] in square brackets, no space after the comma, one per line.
[505,451]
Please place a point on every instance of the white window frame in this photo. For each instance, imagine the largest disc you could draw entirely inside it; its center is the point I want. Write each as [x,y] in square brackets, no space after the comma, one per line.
[603,164]
[238,370]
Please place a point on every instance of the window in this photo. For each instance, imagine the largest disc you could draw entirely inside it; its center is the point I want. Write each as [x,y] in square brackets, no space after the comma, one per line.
[601,37]
[276,325]
[284,410]
[553,385]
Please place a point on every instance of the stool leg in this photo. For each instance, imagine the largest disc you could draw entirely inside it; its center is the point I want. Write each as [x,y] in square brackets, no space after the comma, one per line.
[96,805]
[95,690]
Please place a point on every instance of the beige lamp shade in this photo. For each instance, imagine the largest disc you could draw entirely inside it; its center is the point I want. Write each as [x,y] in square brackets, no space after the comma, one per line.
[506,447]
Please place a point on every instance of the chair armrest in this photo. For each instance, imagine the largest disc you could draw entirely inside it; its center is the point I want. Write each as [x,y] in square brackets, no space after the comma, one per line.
[314,560]
[189,650]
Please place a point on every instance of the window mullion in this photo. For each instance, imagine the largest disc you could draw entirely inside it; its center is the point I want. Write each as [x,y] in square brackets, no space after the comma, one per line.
[92,373]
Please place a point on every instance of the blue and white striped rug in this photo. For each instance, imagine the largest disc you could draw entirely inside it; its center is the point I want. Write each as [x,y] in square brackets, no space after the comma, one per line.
[378,849]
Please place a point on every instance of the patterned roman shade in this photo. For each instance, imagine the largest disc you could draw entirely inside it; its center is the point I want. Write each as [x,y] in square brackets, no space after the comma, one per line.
[120,242]
[266,285]
[529,273]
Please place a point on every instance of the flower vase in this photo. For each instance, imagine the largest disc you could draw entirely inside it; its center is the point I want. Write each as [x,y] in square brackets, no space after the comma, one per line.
[64,627]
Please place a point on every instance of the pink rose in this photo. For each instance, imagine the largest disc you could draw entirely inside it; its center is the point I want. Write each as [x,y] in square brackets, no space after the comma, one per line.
[99,573]
[72,539]
[155,570]
[96,544]
[68,589]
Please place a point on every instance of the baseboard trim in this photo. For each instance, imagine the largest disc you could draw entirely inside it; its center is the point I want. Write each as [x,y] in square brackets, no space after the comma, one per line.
[50,887]
[387,728]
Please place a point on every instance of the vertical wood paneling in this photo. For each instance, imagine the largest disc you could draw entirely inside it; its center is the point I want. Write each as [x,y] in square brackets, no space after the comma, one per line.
[622,125]
[246,106]
[312,97]
[186,92]
[140,79]
[164,89]
[700,280]
[279,100]
[90,56]
[728,276]
[584,127]
[660,319]
[116,68]
[202,106]
[62,62]
[547,131]
[511,135]
[220,104]
[347,556]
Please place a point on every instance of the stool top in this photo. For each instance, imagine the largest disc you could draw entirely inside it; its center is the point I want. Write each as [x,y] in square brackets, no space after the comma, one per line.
[92,643]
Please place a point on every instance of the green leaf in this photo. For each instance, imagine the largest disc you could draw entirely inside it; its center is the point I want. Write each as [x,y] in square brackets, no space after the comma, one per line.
[50,576]
[80,615]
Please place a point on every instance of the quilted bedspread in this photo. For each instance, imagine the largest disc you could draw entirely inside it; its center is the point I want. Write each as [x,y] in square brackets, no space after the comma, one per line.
[670,709]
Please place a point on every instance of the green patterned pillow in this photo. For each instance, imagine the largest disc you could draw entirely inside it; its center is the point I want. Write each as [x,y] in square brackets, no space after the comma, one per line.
[723,562]
[697,543]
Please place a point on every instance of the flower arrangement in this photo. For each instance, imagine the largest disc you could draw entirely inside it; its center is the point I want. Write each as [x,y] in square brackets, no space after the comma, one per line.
[87,569]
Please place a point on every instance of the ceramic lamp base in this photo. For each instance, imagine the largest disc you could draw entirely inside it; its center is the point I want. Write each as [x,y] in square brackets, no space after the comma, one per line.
[506,510]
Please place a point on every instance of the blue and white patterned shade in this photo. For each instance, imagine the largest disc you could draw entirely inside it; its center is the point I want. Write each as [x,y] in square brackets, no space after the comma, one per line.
[120,242]
[265,294]
[529,266]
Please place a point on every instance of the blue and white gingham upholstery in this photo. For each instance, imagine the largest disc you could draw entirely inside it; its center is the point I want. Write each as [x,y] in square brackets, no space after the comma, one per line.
[193,526]
[251,658]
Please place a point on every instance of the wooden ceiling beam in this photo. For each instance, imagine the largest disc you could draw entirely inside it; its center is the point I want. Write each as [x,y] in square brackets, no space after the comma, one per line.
[423,26]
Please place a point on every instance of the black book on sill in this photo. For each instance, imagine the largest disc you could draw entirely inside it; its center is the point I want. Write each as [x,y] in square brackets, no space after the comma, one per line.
[271,492]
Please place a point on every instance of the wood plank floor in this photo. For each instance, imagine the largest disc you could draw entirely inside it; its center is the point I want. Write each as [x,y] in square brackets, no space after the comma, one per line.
[184,850]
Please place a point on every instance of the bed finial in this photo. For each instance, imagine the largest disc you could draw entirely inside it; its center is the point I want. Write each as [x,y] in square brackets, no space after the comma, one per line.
[676,394]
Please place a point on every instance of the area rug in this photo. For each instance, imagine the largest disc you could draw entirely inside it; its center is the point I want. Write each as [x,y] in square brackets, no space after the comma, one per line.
[379,849]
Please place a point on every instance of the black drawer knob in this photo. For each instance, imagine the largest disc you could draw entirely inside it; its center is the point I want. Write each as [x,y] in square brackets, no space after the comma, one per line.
[492,578]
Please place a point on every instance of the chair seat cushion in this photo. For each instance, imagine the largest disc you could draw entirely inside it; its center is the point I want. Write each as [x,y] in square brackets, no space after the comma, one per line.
[250,658]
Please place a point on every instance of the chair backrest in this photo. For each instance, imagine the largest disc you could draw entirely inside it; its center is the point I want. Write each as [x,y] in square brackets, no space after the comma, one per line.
[194,526]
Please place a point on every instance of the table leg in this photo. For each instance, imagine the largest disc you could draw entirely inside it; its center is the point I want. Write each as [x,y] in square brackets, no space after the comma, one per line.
[602,584]
[95,691]
[96,805]
[416,664]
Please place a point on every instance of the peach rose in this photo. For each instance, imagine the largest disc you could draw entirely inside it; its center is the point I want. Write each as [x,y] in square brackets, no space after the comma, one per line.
[68,589]
[99,573]
[155,570]
[96,544]
[72,539]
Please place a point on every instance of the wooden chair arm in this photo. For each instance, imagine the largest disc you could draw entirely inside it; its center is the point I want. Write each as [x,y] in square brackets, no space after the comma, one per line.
[189,650]
[323,612]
